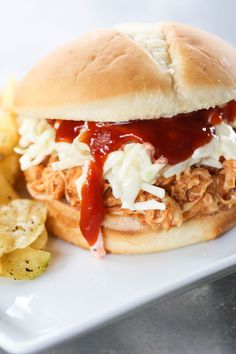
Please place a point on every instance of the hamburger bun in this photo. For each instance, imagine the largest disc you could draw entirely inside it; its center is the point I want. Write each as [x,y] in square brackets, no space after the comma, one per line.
[63,222]
[126,73]
[132,72]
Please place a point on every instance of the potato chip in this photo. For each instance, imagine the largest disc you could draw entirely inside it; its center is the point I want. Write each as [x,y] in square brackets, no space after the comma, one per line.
[8,133]
[8,95]
[21,223]
[41,242]
[7,193]
[24,264]
[8,126]
[10,167]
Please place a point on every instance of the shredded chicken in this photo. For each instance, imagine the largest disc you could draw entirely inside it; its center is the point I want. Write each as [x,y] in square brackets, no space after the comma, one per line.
[71,193]
[157,219]
[43,180]
[229,172]
[223,185]
[191,185]
[197,191]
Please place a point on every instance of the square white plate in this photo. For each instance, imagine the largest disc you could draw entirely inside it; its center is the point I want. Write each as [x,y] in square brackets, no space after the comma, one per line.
[78,293]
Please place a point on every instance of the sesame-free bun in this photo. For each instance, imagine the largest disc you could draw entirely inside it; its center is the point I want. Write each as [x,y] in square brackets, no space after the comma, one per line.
[63,222]
[134,71]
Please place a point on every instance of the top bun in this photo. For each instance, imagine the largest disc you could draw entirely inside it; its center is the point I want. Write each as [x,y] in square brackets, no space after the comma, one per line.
[134,71]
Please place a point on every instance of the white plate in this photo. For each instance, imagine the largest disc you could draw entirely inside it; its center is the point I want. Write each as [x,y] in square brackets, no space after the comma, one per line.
[78,293]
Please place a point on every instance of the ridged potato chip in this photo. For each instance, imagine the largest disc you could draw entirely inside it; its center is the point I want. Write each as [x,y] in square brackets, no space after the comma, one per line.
[21,223]
[8,133]
[9,167]
[8,127]
[7,193]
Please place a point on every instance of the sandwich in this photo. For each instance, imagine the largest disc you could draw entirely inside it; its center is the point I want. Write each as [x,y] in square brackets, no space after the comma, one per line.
[127,135]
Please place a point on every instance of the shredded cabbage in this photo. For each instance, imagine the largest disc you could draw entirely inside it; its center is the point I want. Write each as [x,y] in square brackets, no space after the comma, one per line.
[38,141]
[131,170]
[70,155]
[82,179]
[128,170]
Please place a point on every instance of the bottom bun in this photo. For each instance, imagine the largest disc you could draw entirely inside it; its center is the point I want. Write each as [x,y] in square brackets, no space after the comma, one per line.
[63,222]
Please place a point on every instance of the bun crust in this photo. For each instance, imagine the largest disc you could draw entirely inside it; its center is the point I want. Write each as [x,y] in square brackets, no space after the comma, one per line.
[63,222]
[132,72]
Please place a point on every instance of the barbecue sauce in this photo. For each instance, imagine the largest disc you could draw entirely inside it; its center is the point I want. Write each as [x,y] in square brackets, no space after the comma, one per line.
[173,138]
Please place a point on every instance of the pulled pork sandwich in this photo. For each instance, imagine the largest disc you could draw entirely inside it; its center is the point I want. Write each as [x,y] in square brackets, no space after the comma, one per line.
[127,135]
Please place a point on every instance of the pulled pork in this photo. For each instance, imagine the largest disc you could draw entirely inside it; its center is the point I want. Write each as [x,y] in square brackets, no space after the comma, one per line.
[197,191]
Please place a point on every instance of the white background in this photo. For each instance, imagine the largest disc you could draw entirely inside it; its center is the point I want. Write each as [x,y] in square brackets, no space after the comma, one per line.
[31,28]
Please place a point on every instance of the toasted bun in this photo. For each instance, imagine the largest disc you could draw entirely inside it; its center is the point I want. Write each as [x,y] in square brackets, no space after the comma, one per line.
[63,222]
[132,72]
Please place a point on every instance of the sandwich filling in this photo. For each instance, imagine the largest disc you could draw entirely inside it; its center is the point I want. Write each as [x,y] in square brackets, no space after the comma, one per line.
[161,172]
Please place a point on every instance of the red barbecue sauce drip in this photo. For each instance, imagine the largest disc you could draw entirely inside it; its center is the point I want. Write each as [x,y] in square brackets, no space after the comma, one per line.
[226,112]
[175,139]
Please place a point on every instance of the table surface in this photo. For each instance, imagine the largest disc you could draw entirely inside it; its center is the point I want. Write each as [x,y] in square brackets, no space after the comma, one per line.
[204,319]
